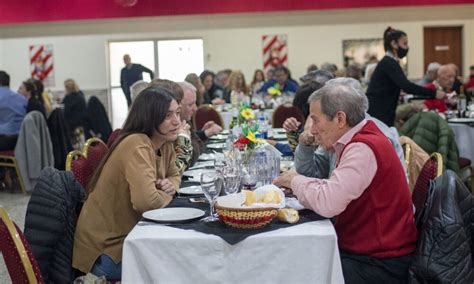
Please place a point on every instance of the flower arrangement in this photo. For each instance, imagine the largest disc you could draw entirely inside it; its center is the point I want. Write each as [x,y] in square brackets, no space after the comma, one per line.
[247,138]
[246,113]
[274,91]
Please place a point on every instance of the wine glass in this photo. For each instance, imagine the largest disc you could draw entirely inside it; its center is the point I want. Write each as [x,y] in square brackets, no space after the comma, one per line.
[211,184]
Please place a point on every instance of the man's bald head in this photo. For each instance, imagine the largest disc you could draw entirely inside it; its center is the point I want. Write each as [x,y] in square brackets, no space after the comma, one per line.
[446,76]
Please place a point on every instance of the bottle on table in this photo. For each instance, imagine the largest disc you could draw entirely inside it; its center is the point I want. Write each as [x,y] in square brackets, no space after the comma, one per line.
[462,102]
[263,126]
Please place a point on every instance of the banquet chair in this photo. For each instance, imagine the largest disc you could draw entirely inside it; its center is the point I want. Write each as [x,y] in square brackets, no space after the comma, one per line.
[432,169]
[407,155]
[206,113]
[19,260]
[83,164]
[7,159]
[282,112]
[113,136]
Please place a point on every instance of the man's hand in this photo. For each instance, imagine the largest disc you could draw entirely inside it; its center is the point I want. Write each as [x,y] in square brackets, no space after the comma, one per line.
[306,138]
[166,186]
[440,95]
[284,180]
[291,124]
[212,130]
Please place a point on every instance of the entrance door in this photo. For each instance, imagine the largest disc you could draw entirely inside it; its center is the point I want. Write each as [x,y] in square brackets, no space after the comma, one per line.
[443,45]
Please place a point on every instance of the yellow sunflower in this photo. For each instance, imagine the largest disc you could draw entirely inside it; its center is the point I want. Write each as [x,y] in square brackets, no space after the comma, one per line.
[247,114]
[253,139]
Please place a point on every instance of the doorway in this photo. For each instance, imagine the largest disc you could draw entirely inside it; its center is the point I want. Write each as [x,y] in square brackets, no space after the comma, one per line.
[443,45]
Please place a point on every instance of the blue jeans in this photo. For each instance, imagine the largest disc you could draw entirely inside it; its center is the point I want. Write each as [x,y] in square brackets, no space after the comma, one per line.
[105,266]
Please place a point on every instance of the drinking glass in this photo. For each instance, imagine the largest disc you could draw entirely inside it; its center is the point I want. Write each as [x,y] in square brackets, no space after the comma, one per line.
[232,177]
[211,184]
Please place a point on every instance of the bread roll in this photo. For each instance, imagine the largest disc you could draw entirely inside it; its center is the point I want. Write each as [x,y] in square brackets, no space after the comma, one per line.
[270,197]
[250,197]
[288,215]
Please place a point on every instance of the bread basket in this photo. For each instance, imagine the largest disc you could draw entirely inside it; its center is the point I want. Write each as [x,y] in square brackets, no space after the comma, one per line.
[246,218]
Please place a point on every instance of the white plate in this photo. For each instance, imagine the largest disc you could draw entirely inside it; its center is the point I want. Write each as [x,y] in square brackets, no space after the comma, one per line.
[279,136]
[200,165]
[192,190]
[216,146]
[279,130]
[197,172]
[461,120]
[218,137]
[177,214]
[225,132]
[209,157]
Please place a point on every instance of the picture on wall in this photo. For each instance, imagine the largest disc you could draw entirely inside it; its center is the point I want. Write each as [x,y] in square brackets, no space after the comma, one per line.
[41,63]
[275,51]
[365,51]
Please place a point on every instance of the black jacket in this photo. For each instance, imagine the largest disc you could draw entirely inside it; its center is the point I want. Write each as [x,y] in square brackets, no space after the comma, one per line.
[98,120]
[60,138]
[384,90]
[444,249]
[50,223]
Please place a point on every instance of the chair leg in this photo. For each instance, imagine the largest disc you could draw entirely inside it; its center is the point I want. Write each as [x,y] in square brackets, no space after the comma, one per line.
[22,185]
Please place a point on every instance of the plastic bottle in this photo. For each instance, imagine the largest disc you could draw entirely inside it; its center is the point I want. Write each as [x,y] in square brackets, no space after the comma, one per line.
[263,127]
[462,105]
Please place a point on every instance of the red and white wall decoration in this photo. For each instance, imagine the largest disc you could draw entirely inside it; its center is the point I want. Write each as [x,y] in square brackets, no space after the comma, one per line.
[41,63]
[275,51]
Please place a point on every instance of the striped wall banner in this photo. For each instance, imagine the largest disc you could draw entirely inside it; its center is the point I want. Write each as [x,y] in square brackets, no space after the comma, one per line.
[275,51]
[41,63]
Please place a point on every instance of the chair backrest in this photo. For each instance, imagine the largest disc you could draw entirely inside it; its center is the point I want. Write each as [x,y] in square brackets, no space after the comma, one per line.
[83,164]
[97,118]
[60,138]
[407,154]
[206,113]
[282,112]
[432,169]
[113,136]
[16,252]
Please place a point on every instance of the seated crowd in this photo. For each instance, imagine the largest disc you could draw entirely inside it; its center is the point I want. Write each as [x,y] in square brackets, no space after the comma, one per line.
[350,166]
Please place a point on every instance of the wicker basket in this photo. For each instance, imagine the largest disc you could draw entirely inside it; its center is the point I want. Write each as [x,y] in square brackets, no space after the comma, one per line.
[246,218]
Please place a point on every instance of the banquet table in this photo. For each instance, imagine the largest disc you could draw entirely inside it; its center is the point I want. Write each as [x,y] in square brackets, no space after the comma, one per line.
[302,253]
[464,136]
[227,116]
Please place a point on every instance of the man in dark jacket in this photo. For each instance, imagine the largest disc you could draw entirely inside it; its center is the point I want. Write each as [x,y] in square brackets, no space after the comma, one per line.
[130,74]
[50,223]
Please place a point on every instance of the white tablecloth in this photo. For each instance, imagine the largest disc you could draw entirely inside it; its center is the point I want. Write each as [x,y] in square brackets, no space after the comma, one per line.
[464,135]
[305,253]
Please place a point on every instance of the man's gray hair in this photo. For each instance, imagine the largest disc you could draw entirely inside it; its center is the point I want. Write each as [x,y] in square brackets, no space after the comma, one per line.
[336,96]
[137,88]
[320,76]
[353,83]
[187,86]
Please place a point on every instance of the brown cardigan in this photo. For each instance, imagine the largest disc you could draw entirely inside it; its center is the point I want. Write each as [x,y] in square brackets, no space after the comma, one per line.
[124,190]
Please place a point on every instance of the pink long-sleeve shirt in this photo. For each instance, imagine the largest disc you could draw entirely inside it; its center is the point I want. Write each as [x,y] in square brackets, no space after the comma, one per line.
[354,172]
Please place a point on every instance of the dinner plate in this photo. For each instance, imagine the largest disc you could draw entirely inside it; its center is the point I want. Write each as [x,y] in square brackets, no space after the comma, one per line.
[197,172]
[219,137]
[216,146]
[200,165]
[279,136]
[461,120]
[225,132]
[191,190]
[279,130]
[211,156]
[177,214]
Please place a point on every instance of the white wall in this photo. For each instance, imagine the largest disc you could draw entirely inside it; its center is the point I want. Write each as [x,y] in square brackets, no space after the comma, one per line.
[230,41]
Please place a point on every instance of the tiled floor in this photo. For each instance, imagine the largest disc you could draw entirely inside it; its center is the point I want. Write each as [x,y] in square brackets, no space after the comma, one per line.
[15,204]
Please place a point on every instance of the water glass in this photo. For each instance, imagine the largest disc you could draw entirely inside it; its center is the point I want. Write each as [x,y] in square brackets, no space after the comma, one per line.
[232,179]
[211,184]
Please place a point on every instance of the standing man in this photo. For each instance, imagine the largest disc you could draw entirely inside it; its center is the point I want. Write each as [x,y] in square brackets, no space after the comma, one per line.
[130,74]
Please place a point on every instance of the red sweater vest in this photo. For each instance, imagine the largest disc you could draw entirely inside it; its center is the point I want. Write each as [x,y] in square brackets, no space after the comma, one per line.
[380,222]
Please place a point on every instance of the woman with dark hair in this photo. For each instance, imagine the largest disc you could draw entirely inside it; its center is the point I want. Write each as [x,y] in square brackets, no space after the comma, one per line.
[138,174]
[212,93]
[388,79]
[35,100]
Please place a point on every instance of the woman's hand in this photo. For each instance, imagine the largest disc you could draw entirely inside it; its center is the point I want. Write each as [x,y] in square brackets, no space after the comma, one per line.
[166,186]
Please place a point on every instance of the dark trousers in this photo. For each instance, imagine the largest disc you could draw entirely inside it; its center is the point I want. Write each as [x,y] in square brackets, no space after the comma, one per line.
[366,269]
[8,142]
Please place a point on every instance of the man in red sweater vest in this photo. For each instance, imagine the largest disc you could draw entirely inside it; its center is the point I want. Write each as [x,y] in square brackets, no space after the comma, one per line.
[367,193]
[444,82]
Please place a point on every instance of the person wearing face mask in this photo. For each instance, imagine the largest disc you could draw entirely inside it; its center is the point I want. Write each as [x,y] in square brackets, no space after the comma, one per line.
[388,80]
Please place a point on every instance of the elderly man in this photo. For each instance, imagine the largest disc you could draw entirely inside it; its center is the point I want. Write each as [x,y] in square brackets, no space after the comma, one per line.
[367,192]
[443,82]
[312,161]
[431,74]
[189,144]
[130,74]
